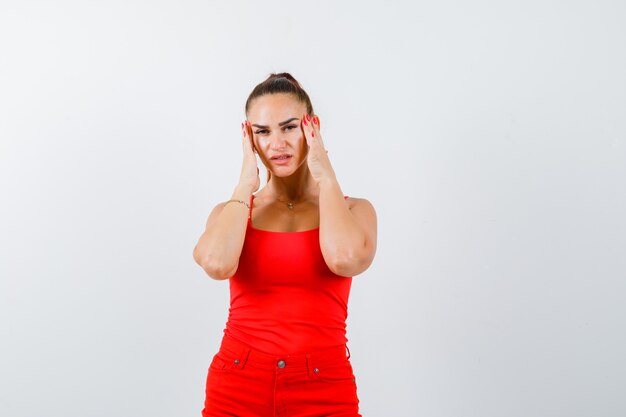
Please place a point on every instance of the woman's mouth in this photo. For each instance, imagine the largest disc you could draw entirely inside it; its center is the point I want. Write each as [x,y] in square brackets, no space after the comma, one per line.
[281,159]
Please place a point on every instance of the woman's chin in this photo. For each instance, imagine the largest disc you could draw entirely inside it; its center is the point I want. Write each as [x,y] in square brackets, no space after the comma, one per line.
[282,172]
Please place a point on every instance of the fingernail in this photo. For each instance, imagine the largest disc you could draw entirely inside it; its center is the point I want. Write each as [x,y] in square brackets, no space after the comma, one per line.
[315,120]
[313,133]
[304,121]
[308,119]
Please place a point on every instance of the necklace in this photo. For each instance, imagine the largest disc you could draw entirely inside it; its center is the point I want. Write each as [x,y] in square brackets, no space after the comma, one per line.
[290,205]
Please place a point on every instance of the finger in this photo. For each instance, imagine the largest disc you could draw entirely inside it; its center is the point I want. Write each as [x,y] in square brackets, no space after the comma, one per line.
[248,135]
[244,139]
[315,125]
[307,129]
[243,134]
[316,122]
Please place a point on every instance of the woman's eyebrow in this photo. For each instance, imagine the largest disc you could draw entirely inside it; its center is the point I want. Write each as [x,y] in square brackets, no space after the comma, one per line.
[280,124]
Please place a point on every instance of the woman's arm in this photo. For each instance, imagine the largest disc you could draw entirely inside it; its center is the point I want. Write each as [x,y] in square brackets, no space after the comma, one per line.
[219,247]
[347,233]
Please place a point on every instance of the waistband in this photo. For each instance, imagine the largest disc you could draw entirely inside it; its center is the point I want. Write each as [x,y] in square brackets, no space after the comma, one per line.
[238,355]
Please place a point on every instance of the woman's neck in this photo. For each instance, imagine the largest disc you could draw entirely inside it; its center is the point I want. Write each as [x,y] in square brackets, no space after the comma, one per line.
[293,187]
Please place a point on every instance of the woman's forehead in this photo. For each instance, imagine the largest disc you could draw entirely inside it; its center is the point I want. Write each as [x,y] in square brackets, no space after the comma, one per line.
[275,108]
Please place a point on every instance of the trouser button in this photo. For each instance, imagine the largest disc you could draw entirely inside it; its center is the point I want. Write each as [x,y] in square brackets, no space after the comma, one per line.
[281,364]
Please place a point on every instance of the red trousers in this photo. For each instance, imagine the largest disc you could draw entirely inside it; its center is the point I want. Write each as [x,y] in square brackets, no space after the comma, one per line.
[245,382]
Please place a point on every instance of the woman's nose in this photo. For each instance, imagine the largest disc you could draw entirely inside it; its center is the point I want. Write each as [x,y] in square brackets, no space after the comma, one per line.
[278,141]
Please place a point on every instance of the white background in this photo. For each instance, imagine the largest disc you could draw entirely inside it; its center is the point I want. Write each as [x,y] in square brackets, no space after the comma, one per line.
[490,137]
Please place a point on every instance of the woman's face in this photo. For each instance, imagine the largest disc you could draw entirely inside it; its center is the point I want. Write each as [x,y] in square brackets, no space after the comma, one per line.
[276,131]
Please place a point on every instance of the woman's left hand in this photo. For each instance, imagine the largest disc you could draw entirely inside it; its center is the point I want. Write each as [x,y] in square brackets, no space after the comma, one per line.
[317,158]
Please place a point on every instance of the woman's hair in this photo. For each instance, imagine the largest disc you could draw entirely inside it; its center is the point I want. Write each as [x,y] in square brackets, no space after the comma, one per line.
[280,83]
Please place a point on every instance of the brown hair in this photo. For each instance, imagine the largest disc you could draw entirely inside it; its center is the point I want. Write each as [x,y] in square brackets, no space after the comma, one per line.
[280,83]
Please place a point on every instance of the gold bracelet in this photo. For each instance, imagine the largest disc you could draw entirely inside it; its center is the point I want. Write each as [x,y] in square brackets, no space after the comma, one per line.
[238,201]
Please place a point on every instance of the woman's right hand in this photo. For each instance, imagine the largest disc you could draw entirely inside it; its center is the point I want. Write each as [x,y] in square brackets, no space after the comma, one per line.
[249,169]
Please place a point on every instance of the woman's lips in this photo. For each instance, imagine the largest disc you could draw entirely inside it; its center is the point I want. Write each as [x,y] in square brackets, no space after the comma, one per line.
[281,160]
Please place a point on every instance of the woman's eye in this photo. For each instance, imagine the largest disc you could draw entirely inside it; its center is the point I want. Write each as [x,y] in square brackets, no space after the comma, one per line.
[264,131]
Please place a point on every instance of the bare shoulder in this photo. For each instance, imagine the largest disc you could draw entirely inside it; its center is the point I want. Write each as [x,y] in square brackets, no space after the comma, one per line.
[360,203]
[365,214]
[362,207]
[215,213]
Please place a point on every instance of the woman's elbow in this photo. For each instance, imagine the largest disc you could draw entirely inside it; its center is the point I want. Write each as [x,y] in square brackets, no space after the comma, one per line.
[215,268]
[216,272]
[349,265]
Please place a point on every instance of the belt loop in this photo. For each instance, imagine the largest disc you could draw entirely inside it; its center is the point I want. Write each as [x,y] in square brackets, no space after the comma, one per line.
[348,351]
[244,354]
[308,365]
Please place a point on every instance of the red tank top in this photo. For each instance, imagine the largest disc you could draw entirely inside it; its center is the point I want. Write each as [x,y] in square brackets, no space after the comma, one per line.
[283,298]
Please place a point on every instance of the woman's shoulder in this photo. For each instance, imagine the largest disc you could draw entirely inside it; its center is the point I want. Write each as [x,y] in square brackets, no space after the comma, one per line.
[364,211]
[355,199]
[358,202]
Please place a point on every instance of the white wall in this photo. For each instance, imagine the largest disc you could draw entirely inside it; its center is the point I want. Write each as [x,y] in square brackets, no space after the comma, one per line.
[490,137]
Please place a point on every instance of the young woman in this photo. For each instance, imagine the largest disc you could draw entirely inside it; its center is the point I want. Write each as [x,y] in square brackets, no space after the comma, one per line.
[289,251]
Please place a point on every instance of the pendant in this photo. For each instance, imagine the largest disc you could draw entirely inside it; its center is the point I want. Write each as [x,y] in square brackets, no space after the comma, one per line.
[290,206]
